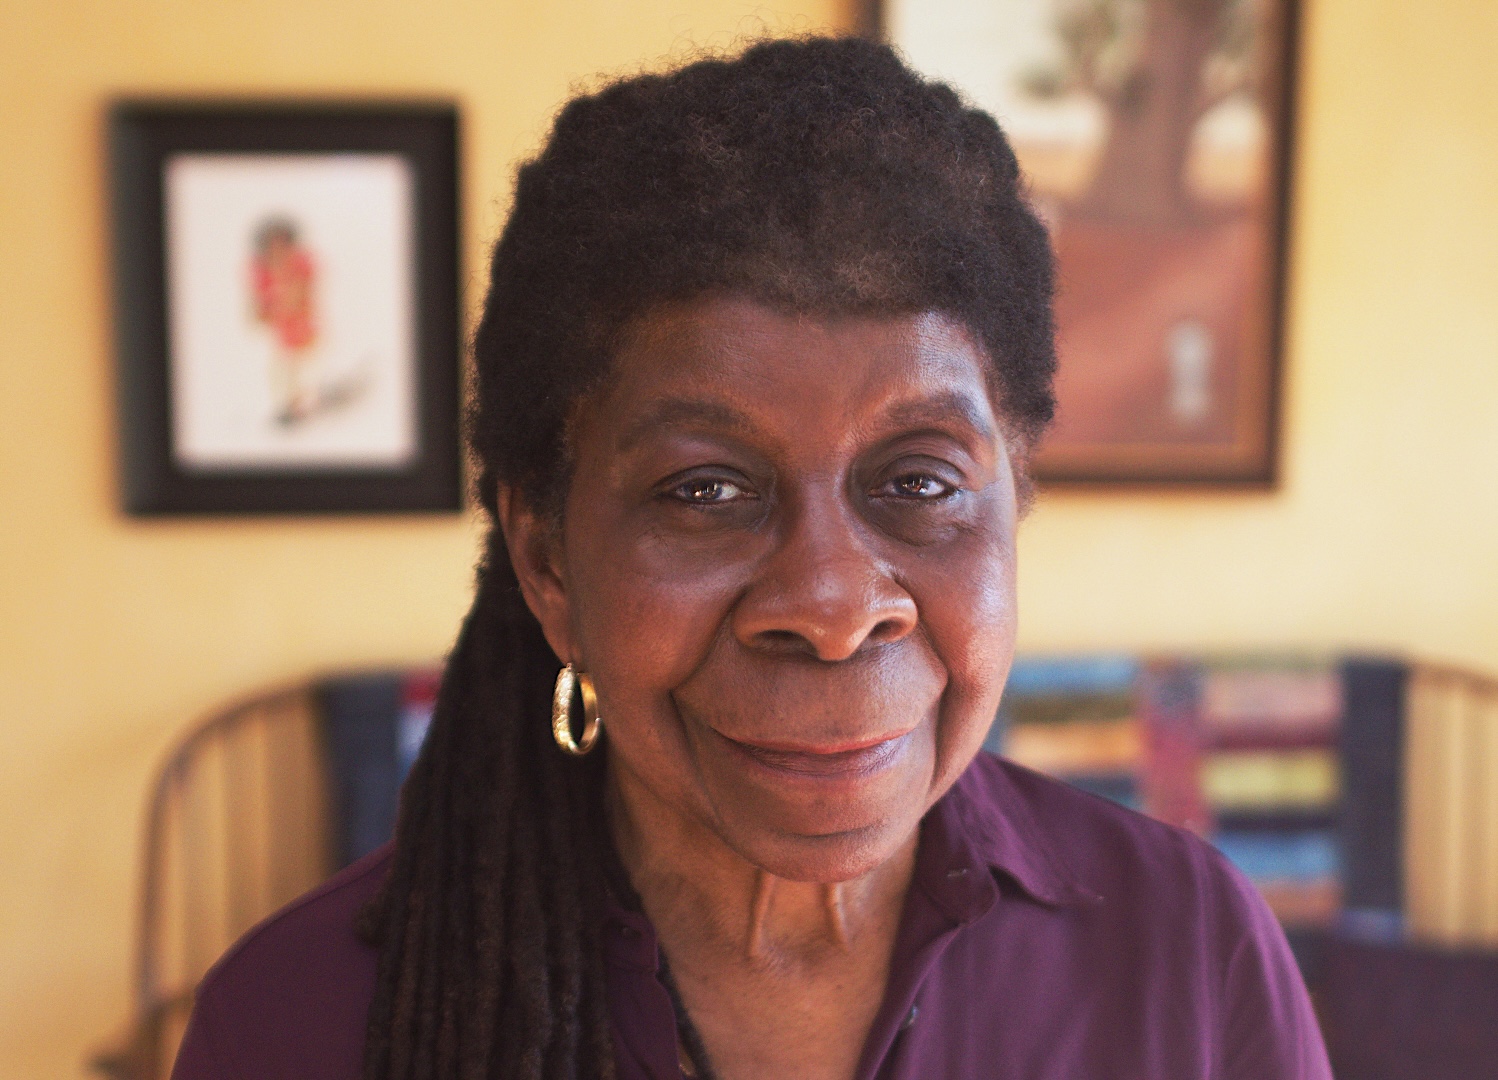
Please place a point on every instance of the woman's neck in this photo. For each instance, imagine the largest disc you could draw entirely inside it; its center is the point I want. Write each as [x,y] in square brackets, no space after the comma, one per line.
[706,899]
[778,977]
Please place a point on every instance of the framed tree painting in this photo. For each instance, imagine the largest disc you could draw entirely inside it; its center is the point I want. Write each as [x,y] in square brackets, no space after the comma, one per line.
[1154,138]
[287,320]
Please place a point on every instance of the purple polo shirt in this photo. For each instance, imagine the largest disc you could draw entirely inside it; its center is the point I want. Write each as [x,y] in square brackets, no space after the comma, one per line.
[1047,935]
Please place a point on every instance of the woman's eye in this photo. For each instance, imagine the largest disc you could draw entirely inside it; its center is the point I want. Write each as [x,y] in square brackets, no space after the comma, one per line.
[706,491]
[920,486]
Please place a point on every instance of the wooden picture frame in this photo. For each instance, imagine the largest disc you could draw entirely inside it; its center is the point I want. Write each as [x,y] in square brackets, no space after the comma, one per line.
[286,306]
[1155,138]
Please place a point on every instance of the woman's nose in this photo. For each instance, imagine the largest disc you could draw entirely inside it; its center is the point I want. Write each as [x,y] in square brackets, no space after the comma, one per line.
[823,592]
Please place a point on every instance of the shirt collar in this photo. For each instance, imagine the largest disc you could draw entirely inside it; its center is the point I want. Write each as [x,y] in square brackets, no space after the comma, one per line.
[985,820]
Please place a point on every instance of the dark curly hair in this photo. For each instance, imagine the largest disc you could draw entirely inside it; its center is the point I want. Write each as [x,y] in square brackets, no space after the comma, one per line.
[819,176]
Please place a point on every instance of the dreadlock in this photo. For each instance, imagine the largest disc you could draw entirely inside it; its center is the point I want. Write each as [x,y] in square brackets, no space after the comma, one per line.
[819,175]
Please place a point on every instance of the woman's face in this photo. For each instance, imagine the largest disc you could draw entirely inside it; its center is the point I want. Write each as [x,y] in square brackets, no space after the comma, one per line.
[787,560]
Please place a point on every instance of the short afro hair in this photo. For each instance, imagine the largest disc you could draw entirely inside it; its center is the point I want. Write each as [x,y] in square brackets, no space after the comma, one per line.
[818,175]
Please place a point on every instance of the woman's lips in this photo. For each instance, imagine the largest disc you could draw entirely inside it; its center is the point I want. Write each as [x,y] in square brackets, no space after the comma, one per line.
[833,762]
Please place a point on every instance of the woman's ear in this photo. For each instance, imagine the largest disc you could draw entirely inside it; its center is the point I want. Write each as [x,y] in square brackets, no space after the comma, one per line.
[535,547]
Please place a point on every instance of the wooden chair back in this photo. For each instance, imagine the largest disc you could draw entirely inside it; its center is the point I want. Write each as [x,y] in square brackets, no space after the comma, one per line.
[1451,807]
[238,825]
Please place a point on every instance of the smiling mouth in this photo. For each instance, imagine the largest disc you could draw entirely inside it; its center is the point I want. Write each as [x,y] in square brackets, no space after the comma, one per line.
[832,762]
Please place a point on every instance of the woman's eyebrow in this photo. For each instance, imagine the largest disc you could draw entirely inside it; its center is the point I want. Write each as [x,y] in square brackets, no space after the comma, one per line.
[943,408]
[675,412]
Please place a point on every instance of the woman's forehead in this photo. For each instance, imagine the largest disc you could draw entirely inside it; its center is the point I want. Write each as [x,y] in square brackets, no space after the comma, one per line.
[733,362]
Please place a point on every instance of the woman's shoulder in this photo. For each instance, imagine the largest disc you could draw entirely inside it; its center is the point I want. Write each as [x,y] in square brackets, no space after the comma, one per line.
[1116,855]
[1138,938]
[291,997]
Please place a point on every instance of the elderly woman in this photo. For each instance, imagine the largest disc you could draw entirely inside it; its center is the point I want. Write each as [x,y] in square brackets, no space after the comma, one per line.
[766,349]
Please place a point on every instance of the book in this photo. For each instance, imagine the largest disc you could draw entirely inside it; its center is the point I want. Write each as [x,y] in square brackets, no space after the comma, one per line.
[373,726]
[1372,813]
[1082,747]
[1103,673]
[1279,819]
[1056,708]
[361,718]
[1300,905]
[1170,695]
[1269,780]
[1309,855]
[1276,697]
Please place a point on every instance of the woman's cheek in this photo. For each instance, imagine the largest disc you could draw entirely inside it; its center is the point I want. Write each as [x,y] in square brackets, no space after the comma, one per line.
[970,618]
[655,610]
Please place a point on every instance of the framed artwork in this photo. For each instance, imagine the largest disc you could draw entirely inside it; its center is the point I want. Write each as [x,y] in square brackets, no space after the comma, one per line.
[1154,136]
[286,294]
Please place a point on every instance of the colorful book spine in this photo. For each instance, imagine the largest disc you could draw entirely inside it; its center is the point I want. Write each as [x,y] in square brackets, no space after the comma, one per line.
[1175,745]
[1271,780]
[1084,747]
[1272,698]
[1312,855]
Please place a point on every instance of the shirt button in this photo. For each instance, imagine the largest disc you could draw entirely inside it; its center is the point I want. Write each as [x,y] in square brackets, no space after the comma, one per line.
[910,1017]
[960,872]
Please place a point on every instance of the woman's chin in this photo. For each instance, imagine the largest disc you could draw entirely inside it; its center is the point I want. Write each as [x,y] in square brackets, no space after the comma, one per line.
[821,820]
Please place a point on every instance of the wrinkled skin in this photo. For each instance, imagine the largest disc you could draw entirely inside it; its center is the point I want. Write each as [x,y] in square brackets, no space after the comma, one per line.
[787,560]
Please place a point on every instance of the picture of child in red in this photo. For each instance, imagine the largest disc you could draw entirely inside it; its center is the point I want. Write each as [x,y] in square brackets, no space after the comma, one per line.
[283,278]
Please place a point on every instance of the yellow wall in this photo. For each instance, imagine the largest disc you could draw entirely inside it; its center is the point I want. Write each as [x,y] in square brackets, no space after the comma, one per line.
[114,633]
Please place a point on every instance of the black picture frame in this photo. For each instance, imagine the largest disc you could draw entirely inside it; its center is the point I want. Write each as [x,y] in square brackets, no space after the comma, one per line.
[144,134]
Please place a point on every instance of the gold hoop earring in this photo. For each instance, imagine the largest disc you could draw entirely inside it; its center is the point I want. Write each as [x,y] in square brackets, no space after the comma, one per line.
[561,711]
